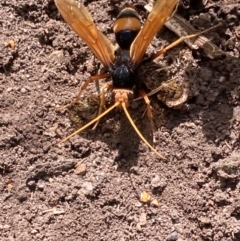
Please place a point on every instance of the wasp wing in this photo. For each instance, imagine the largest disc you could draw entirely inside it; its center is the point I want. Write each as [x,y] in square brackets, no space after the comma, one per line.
[77,16]
[161,11]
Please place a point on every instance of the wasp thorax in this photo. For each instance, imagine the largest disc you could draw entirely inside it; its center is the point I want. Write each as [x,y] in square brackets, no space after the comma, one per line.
[123,74]
[123,77]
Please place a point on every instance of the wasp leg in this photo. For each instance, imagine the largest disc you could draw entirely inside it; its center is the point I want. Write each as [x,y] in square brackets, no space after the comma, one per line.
[149,108]
[91,122]
[83,87]
[102,103]
[123,104]
[178,41]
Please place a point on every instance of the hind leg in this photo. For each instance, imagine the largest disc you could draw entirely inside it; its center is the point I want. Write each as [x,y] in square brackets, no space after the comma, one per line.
[149,108]
[103,101]
[178,41]
[83,87]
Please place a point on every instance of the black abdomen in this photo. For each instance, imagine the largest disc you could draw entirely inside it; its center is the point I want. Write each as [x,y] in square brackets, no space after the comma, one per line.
[126,27]
[125,38]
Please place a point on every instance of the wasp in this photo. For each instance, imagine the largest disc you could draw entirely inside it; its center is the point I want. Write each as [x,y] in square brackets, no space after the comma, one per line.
[122,66]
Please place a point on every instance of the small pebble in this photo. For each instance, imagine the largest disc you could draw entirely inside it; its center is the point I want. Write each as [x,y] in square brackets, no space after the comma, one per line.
[158,183]
[100,177]
[69,197]
[57,56]
[87,188]
[22,197]
[23,90]
[31,184]
[40,185]
[174,216]
[155,203]
[178,228]
[172,236]
[81,169]
[11,44]
[142,219]
[155,182]
[34,231]
[145,197]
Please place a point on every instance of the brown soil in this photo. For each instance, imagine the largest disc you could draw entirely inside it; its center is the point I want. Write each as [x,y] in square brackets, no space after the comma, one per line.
[197,186]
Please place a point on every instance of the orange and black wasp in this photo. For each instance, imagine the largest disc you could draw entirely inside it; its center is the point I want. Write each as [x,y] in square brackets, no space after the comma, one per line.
[123,65]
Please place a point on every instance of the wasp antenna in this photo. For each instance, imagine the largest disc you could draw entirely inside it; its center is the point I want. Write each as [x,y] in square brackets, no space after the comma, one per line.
[138,132]
[90,123]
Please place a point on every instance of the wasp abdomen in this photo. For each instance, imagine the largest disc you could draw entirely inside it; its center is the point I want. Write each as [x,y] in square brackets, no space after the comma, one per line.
[126,27]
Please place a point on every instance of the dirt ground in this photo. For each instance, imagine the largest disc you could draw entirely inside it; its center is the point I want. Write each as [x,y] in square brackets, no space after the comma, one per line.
[43,195]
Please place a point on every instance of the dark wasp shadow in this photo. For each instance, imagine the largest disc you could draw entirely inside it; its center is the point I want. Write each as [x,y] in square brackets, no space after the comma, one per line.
[113,129]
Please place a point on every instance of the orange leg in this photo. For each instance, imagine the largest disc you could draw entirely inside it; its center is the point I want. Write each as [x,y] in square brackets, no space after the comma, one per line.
[123,104]
[178,41]
[149,108]
[84,86]
[91,122]
[103,101]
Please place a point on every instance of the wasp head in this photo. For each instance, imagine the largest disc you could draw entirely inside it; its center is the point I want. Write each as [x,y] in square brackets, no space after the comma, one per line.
[123,96]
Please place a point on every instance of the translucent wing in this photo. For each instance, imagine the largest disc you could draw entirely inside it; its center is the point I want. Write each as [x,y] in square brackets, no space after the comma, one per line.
[77,16]
[161,11]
